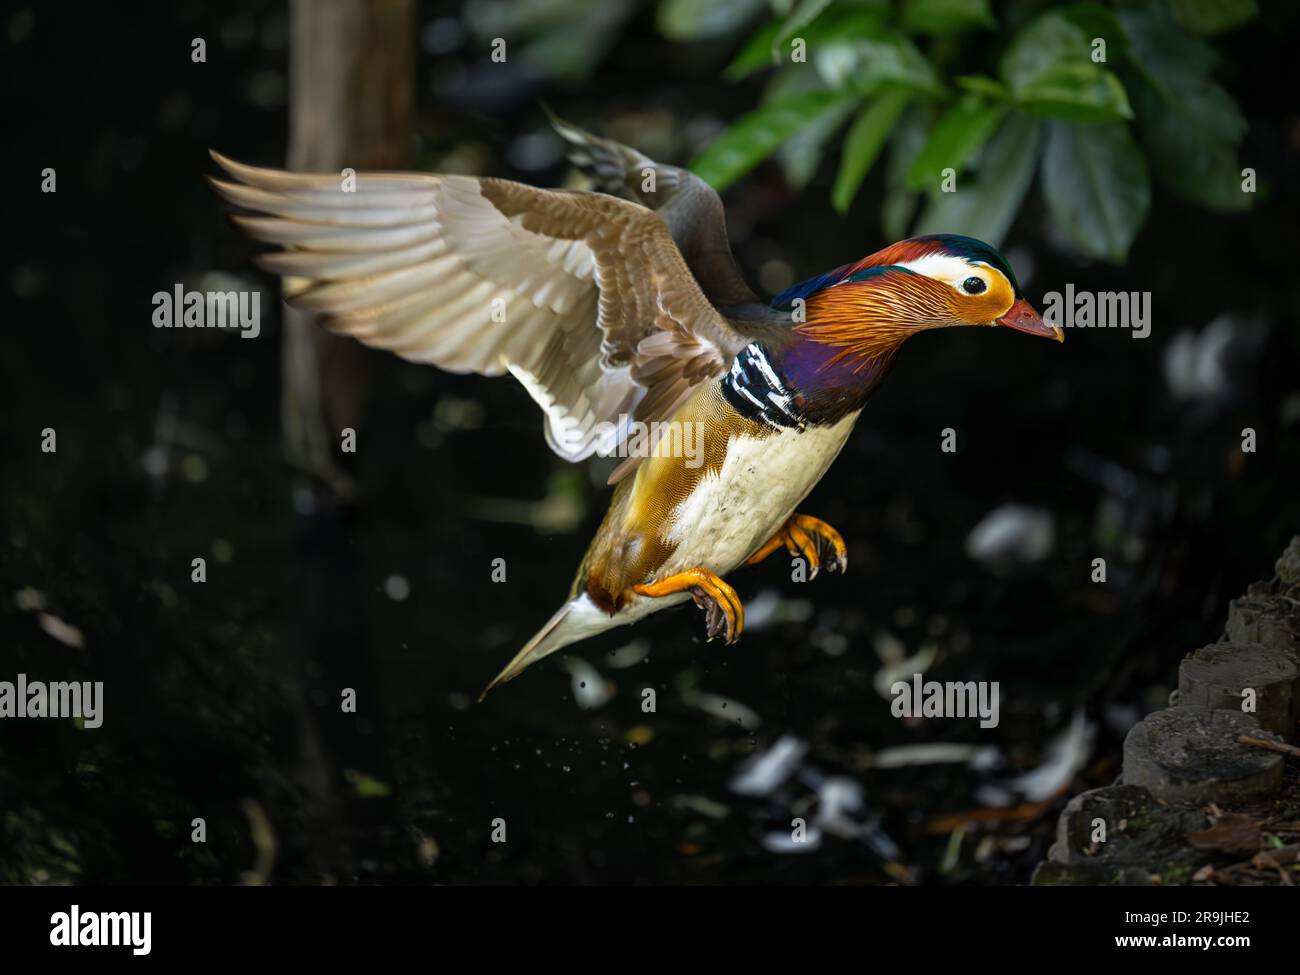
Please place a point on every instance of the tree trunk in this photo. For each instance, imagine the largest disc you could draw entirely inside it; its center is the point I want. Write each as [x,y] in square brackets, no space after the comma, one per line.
[351,67]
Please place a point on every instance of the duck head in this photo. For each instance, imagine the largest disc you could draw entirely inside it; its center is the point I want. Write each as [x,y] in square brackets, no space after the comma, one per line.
[865,310]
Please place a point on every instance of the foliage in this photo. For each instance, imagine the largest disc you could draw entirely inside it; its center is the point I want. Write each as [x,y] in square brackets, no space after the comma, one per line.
[1093,99]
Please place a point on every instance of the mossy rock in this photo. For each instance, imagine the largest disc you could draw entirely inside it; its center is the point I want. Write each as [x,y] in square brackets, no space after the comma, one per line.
[1102,832]
[1266,619]
[1191,754]
[1288,565]
[1050,874]
[1217,677]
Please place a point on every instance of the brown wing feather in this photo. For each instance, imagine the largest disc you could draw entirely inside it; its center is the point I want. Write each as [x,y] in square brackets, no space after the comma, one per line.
[584,298]
[689,206]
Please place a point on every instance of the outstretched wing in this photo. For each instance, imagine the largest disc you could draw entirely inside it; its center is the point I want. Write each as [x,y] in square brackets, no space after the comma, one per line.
[689,206]
[584,298]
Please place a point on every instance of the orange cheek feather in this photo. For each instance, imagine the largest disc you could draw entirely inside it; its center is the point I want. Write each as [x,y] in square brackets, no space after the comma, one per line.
[984,309]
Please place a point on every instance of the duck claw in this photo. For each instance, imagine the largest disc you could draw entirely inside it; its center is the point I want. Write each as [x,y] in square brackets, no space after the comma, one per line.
[724,615]
[718,618]
[812,540]
[715,620]
[819,543]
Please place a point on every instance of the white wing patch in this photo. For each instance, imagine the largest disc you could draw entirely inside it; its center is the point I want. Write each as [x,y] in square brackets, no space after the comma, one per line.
[587,426]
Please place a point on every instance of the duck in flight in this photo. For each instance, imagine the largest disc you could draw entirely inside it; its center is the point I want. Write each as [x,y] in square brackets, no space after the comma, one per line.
[621,310]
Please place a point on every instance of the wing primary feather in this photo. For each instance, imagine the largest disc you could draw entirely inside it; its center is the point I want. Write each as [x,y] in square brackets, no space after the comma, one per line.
[603,318]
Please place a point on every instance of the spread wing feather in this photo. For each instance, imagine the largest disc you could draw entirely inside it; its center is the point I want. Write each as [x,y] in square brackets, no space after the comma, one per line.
[584,298]
[689,206]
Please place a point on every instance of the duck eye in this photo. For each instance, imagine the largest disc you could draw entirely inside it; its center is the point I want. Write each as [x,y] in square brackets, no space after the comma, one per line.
[973,285]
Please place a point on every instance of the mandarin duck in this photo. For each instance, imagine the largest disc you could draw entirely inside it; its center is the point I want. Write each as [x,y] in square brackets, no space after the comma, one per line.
[622,310]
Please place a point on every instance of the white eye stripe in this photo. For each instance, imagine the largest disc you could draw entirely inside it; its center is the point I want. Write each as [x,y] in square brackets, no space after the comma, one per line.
[952,271]
[942,267]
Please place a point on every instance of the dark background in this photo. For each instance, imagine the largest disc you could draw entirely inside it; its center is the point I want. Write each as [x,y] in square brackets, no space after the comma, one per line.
[222,698]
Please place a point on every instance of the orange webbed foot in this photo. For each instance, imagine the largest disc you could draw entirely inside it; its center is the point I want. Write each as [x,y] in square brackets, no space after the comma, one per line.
[811,538]
[723,613]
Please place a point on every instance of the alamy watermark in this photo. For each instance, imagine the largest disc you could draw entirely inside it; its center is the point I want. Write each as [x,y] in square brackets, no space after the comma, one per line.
[126,929]
[1099,309]
[179,308]
[57,699]
[919,698]
[671,438]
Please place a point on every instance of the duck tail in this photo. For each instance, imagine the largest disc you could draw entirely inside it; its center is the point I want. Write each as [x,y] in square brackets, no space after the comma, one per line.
[576,620]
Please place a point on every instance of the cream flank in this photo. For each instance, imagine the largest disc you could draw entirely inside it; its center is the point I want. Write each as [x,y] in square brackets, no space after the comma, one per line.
[733,511]
[719,525]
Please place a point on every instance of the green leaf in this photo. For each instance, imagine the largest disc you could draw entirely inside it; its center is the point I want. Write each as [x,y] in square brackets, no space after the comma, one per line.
[1082,92]
[979,84]
[1049,68]
[1161,50]
[791,80]
[756,53]
[866,64]
[946,16]
[802,16]
[690,20]
[1189,125]
[985,206]
[802,152]
[1180,136]
[1178,67]
[899,204]
[367,786]
[1040,46]
[834,23]
[1213,16]
[863,144]
[1096,186]
[756,135]
[1096,22]
[960,134]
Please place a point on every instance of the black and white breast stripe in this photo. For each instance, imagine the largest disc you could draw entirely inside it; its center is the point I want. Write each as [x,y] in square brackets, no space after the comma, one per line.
[757,392]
